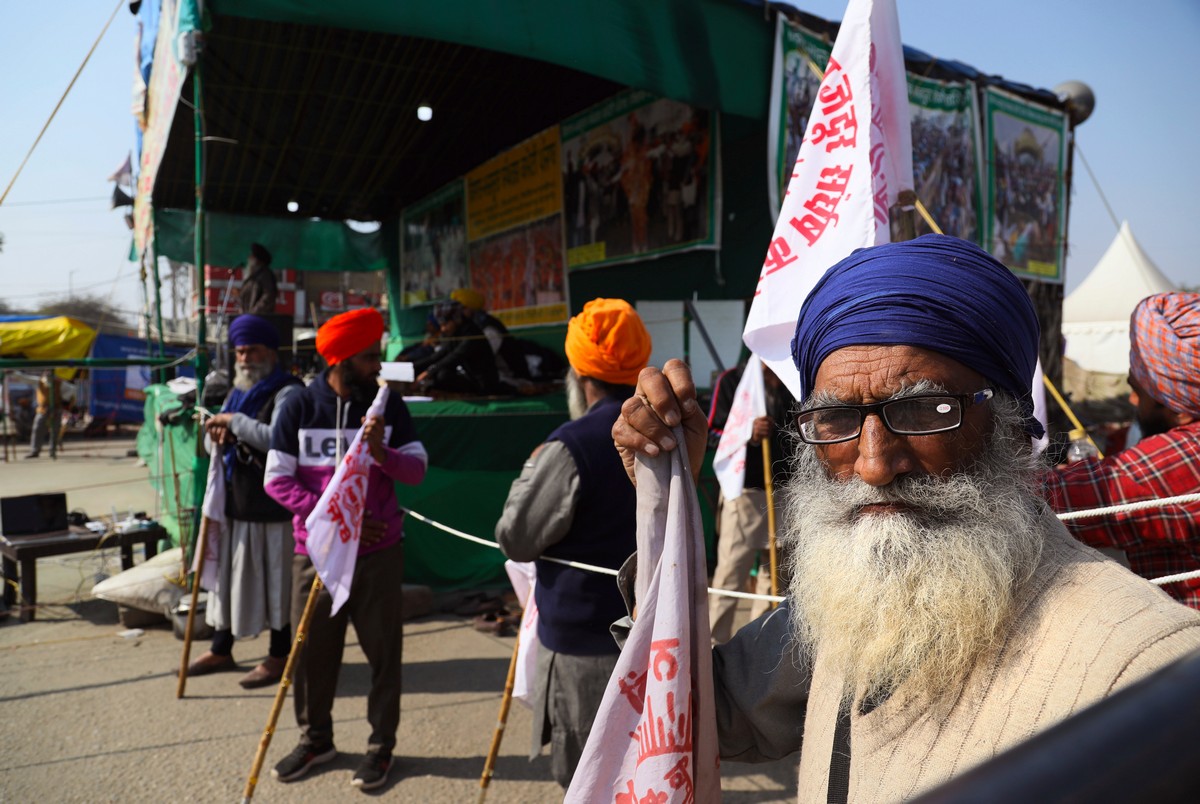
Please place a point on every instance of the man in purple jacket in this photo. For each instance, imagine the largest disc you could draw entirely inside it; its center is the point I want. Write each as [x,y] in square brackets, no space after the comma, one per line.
[310,435]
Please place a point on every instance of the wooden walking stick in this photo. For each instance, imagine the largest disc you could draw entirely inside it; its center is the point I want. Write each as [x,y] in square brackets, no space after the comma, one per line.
[505,703]
[201,546]
[769,485]
[281,694]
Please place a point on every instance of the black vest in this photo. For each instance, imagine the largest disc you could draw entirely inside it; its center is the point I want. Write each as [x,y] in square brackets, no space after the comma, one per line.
[245,498]
[576,607]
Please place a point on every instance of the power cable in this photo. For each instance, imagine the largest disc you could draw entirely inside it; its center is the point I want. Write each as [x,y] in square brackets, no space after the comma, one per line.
[58,105]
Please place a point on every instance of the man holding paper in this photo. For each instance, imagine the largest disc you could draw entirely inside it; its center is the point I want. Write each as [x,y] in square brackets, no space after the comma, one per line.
[308,441]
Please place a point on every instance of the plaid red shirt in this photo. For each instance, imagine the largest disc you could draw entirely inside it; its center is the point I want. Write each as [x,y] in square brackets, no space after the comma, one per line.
[1158,541]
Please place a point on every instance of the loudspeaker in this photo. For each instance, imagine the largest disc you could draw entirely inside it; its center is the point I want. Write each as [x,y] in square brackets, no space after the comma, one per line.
[33,514]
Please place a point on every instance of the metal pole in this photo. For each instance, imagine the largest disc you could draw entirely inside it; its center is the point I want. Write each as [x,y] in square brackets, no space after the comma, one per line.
[712,350]
[200,234]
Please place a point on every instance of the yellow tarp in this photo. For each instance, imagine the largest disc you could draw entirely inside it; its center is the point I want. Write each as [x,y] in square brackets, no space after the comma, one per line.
[61,338]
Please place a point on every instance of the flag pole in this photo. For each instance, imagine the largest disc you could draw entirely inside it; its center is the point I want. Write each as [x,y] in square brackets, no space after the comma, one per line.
[201,546]
[769,486]
[501,722]
[281,693]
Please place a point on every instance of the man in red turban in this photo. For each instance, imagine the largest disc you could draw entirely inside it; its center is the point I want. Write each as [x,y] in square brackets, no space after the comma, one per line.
[572,501]
[1164,375]
[308,440]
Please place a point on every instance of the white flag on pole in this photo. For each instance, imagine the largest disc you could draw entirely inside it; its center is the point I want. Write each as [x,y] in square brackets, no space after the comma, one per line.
[655,735]
[523,575]
[855,159]
[212,509]
[749,403]
[334,525]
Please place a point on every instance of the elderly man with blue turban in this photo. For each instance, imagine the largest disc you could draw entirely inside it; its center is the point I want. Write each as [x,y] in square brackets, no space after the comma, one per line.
[253,585]
[938,613]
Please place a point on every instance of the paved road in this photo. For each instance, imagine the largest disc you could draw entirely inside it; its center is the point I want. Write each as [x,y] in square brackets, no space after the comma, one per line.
[87,715]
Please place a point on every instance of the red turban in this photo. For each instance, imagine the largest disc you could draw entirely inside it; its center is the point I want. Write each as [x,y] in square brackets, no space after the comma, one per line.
[345,335]
[608,342]
[1164,347]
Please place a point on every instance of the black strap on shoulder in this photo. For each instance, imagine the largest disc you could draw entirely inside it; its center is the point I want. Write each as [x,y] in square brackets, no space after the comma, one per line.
[839,758]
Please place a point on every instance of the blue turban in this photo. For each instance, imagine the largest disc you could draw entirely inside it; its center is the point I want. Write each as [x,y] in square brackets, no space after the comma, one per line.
[935,292]
[249,329]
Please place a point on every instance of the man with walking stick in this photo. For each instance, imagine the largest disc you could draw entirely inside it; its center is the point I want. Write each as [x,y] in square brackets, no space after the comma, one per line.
[253,585]
[308,442]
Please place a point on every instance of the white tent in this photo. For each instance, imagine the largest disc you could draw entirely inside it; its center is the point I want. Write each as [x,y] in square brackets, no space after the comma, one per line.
[1096,314]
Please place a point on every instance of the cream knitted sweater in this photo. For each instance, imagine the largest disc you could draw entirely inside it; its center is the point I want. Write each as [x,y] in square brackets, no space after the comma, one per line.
[1085,627]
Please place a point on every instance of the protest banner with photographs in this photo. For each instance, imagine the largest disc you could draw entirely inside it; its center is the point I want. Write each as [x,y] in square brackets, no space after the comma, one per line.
[514,231]
[1026,146]
[433,261]
[945,142]
[638,180]
[800,59]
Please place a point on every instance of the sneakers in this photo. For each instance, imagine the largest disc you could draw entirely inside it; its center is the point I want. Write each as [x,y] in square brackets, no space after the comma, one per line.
[303,757]
[373,772]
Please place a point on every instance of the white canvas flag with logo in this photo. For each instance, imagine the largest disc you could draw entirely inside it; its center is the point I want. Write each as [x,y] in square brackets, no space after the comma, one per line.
[749,403]
[212,509]
[523,575]
[655,735]
[335,524]
[854,160]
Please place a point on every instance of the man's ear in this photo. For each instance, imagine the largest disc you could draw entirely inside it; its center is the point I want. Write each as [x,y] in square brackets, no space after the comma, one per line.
[1183,418]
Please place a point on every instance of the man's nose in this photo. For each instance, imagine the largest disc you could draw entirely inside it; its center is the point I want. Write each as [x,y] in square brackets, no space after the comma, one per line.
[883,456]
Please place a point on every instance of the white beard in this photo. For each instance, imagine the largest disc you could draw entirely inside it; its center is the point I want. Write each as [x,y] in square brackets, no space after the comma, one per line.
[916,597]
[247,375]
[576,400]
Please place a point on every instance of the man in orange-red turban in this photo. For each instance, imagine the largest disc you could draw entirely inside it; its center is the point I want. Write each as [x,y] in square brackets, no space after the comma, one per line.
[573,501]
[308,439]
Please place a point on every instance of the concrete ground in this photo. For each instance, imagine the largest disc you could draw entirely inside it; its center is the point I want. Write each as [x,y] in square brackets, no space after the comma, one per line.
[89,714]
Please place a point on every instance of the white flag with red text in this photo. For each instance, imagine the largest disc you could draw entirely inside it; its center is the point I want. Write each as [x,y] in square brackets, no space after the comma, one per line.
[335,524]
[523,575]
[212,509]
[749,403]
[655,735]
[854,160]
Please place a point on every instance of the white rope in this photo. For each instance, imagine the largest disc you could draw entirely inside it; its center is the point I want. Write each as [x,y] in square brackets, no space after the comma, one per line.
[1090,513]
[575,564]
[1136,506]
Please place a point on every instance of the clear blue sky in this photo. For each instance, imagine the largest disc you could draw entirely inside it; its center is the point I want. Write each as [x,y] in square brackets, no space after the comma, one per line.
[1140,59]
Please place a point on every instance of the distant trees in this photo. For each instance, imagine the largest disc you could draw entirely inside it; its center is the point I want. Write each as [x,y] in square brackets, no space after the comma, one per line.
[95,311]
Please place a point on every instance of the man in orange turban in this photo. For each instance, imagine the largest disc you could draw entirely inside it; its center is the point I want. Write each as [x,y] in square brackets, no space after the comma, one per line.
[308,439]
[572,501]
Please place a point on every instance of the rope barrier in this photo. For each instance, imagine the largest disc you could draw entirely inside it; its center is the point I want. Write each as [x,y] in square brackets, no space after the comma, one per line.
[1092,512]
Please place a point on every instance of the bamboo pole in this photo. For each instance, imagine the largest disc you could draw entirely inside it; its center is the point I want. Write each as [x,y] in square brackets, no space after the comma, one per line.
[201,545]
[281,693]
[501,722]
[1062,403]
[178,503]
[769,486]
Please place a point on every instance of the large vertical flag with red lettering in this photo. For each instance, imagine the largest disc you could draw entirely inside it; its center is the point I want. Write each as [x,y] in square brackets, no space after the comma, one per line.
[854,160]
[655,735]
[749,403]
[334,525]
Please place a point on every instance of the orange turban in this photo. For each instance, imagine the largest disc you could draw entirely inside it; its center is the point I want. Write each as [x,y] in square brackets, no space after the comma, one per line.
[345,335]
[608,341]
[469,298]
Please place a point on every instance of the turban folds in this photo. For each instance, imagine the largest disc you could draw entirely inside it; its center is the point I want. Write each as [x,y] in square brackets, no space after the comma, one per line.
[936,292]
[608,342]
[250,329]
[345,335]
[1164,349]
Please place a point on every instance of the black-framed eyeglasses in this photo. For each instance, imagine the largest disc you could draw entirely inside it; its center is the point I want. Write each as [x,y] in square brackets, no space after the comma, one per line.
[921,414]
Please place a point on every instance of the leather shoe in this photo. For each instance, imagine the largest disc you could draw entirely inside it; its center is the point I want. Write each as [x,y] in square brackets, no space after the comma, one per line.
[267,673]
[210,662]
